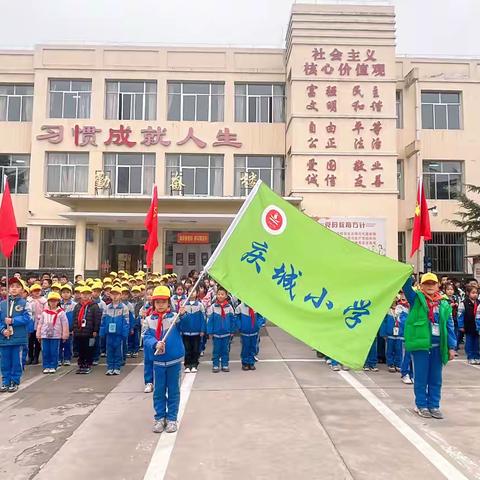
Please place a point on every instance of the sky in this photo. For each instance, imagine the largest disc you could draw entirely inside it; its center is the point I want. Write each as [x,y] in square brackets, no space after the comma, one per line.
[447,28]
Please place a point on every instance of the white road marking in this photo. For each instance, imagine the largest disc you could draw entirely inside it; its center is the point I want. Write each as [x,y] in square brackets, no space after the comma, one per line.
[163,451]
[436,459]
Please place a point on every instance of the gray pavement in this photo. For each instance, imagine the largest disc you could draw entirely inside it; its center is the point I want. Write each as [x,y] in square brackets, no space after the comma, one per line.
[291,418]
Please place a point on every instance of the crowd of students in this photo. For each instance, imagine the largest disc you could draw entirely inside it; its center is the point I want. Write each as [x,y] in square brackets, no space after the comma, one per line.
[117,317]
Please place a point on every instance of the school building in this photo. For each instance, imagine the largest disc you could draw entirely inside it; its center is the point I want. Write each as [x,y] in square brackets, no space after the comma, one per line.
[336,123]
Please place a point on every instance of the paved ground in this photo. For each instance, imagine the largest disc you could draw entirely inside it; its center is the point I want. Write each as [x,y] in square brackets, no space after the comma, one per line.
[292,418]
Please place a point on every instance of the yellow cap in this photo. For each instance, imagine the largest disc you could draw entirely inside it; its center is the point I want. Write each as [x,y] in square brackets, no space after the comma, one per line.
[125,289]
[107,286]
[161,293]
[136,289]
[85,289]
[54,296]
[113,274]
[97,286]
[142,287]
[56,285]
[121,272]
[66,287]
[107,280]
[78,288]
[98,280]
[89,279]
[35,286]
[116,290]
[26,289]
[82,283]
[429,277]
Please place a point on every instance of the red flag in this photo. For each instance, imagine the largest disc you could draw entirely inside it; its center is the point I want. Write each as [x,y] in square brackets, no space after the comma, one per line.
[421,220]
[151,224]
[8,225]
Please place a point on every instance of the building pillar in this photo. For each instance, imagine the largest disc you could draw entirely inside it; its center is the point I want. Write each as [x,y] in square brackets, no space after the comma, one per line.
[32,259]
[80,245]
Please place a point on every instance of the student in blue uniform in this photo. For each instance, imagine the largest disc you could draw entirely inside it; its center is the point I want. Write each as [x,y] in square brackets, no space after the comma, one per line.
[134,334]
[131,319]
[249,323]
[178,297]
[68,305]
[221,325]
[394,340]
[15,323]
[167,359]
[430,337]
[469,324]
[401,314]
[97,299]
[193,329]
[115,329]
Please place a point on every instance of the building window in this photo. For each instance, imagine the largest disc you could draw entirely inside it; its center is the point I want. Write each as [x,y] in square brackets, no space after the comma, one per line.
[67,172]
[194,175]
[441,110]
[249,169]
[402,254]
[201,102]
[446,251]
[400,180]
[57,247]
[19,254]
[399,108]
[442,179]
[131,100]
[17,170]
[130,173]
[258,102]
[70,98]
[16,102]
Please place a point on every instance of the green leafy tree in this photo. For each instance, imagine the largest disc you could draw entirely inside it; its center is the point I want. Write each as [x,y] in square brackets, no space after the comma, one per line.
[469,214]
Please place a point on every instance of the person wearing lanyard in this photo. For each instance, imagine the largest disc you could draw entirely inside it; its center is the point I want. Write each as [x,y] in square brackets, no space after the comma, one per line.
[430,337]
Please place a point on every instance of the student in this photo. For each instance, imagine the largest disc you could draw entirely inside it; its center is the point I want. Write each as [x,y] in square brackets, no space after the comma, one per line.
[401,313]
[193,329]
[38,302]
[221,325]
[178,298]
[114,328]
[145,312]
[454,301]
[249,323]
[125,297]
[372,359]
[134,334]
[14,324]
[167,358]
[68,306]
[86,324]
[52,327]
[394,340]
[97,299]
[469,324]
[430,337]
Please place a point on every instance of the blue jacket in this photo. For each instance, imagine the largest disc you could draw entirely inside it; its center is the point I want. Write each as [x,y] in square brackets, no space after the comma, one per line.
[244,321]
[194,321]
[175,301]
[219,326]
[115,321]
[392,320]
[131,314]
[69,307]
[174,349]
[22,321]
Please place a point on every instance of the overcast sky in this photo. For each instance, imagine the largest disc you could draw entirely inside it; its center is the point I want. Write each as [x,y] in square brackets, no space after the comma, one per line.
[424,27]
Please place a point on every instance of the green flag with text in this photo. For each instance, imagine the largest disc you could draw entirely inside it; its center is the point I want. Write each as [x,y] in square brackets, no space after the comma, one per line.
[324,290]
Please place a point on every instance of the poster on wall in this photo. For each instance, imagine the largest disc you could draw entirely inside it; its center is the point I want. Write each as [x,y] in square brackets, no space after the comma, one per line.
[364,231]
[192,259]
[179,259]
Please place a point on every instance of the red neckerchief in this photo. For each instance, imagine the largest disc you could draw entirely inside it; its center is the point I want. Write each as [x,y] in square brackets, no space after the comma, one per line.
[159,329]
[431,304]
[222,306]
[252,315]
[54,313]
[82,312]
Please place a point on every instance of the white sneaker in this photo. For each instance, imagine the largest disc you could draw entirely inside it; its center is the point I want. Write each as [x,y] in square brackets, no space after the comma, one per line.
[148,388]
[116,372]
[471,362]
[67,363]
[194,370]
[46,370]
[187,370]
[109,372]
[406,379]
[52,370]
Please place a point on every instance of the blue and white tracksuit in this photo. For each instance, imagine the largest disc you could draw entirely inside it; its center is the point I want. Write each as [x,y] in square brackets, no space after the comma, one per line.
[114,328]
[66,345]
[221,325]
[249,324]
[192,327]
[469,321]
[134,334]
[131,322]
[147,358]
[11,348]
[427,365]
[394,339]
[97,347]
[401,313]
[176,302]
[167,366]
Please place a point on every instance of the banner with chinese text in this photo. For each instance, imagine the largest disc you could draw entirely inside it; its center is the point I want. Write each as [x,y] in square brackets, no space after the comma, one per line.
[321,288]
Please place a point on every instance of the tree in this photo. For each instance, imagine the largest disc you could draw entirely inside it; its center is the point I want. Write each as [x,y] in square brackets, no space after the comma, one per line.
[469,215]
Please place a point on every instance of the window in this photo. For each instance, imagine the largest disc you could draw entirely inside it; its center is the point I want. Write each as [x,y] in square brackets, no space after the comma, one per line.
[195,101]
[199,174]
[400,180]
[57,247]
[17,170]
[269,169]
[67,172]
[399,108]
[133,100]
[442,179]
[70,98]
[130,173]
[441,110]
[19,254]
[446,251]
[257,102]
[402,255]
[16,102]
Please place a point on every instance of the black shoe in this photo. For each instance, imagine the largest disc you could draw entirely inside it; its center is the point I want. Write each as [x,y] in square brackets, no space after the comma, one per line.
[87,371]
[29,361]
[35,361]
[79,370]
[251,367]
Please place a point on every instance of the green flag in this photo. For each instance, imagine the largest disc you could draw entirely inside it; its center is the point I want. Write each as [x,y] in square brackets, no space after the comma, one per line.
[321,288]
